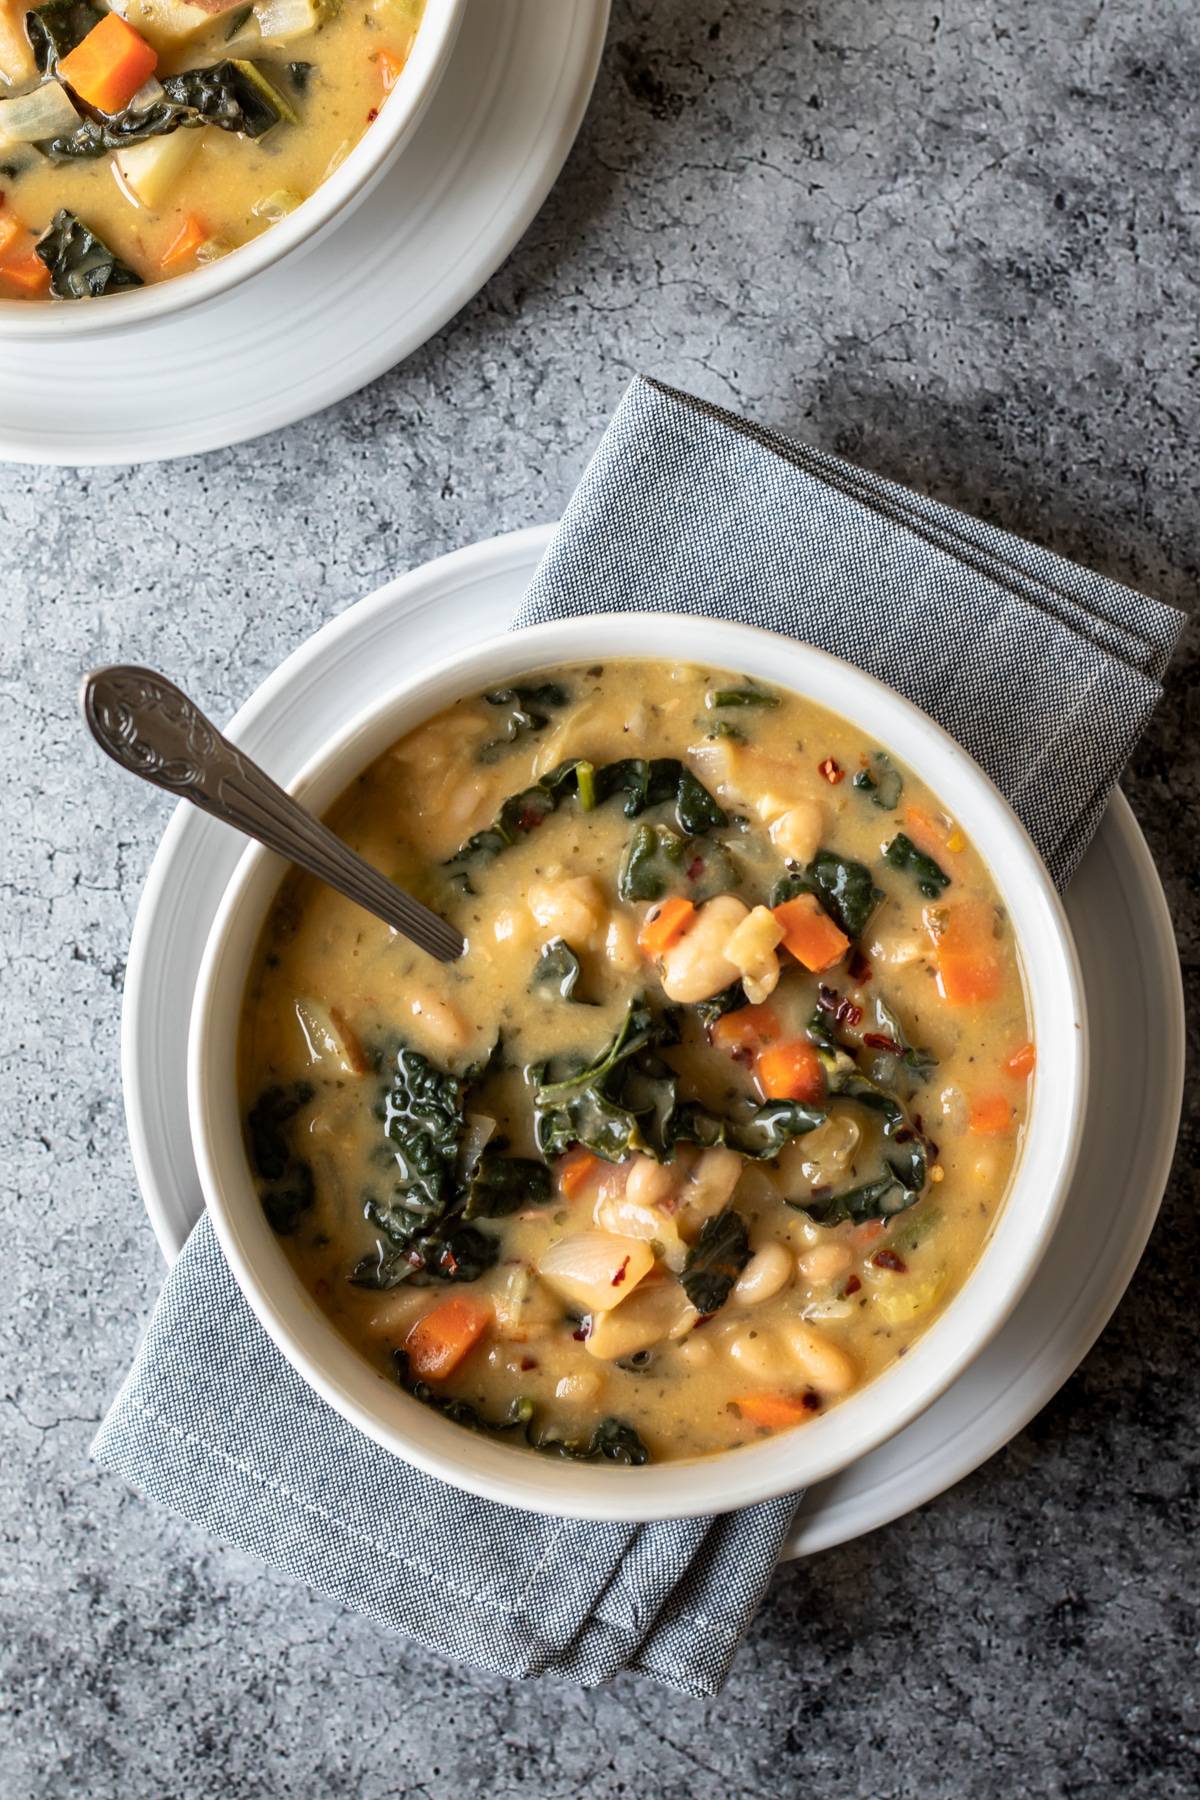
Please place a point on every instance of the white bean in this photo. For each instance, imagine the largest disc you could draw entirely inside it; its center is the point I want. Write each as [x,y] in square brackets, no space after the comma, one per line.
[572,908]
[712,1182]
[756,1353]
[620,944]
[582,1388]
[696,966]
[768,1270]
[797,832]
[649,1181]
[442,1024]
[826,1365]
[828,1262]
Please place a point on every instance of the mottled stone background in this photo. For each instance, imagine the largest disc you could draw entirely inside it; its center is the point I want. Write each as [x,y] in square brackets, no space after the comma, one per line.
[955,241]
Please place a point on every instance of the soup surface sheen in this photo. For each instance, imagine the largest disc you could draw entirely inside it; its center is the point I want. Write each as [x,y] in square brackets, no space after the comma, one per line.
[140,140]
[715,1113]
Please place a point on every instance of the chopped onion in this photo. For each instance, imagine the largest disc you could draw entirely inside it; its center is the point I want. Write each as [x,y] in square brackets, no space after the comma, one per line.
[45,113]
[596,1270]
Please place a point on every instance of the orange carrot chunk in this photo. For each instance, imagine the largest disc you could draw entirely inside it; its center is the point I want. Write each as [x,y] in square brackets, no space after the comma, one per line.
[191,234]
[10,231]
[748,1029]
[775,1411]
[968,961]
[991,1115]
[109,65]
[1022,1062]
[810,934]
[391,67]
[575,1168]
[791,1071]
[25,274]
[438,1342]
[665,924]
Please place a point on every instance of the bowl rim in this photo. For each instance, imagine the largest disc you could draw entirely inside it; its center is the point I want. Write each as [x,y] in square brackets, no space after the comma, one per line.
[791,1460]
[399,114]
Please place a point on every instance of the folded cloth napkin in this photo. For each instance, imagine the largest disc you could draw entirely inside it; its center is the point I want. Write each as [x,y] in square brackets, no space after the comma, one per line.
[1047,674]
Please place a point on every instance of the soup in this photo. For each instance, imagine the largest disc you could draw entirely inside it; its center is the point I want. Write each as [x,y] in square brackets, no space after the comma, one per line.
[142,141]
[716,1111]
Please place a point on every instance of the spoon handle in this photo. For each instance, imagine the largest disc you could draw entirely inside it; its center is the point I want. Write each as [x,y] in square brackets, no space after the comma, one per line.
[151,728]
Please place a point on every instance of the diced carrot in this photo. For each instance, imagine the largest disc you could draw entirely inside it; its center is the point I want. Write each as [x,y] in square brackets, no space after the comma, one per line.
[438,1342]
[26,274]
[391,67]
[775,1411]
[664,924]
[109,65]
[1022,1062]
[810,934]
[575,1168]
[968,962]
[748,1029]
[191,234]
[10,231]
[927,834]
[791,1071]
[991,1115]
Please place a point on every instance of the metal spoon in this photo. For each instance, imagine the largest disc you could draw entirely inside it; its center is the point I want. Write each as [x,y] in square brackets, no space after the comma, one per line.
[151,728]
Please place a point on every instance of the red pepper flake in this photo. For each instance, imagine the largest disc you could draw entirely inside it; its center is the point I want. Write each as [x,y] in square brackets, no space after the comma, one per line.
[581,1336]
[372,115]
[888,1259]
[527,1363]
[530,819]
[744,1055]
[619,1277]
[877,1040]
[858,967]
[811,1400]
[851,1287]
[828,999]
[832,771]
[848,1014]
[695,868]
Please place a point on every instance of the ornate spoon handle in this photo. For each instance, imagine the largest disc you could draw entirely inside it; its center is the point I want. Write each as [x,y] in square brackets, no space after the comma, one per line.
[151,728]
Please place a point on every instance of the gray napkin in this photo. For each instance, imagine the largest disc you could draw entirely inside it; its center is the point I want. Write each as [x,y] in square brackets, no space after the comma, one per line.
[1046,673]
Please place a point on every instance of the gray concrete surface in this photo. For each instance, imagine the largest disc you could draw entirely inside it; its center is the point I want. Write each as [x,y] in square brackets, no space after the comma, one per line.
[959,244]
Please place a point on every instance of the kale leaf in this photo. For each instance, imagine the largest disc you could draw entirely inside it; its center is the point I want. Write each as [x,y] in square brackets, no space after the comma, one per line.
[882,782]
[641,783]
[80,265]
[452,1253]
[423,1118]
[715,1261]
[234,95]
[729,1000]
[557,969]
[499,1185]
[742,696]
[527,711]
[902,853]
[288,1188]
[844,887]
[624,1100]
[893,1053]
[658,861]
[905,1166]
[761,1135]
[54,30]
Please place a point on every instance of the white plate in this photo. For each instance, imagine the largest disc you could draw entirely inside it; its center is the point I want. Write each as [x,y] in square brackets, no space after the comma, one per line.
[1134,997]
[337,314]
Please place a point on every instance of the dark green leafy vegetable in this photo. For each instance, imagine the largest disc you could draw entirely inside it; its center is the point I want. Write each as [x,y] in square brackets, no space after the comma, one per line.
[55,29]
[905,1169]
[729,1000]
[743,696]
[452,1253]
[289,1189]
[611,1440]
[893,1052]
[527,711]
[499,1185]
[715,1261]
[80,265]
[622,1101]
[725,728]
[557,970]
[903,854]
[299,74]
[658,861]
[844,888]
[423,1118]
[882,782]
[642,784]
[761,1134]
[234,95]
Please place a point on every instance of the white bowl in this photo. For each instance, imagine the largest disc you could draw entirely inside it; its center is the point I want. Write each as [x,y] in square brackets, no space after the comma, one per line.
[399,114]
[377,1405]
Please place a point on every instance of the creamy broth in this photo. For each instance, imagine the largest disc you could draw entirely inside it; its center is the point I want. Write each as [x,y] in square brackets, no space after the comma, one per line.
[795,1154]
[169,196]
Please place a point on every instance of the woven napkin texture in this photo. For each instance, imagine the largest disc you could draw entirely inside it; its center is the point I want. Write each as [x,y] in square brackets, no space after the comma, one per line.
[1046,673]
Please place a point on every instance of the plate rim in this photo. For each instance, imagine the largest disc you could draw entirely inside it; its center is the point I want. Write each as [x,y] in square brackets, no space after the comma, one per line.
[486,559]
[478,262]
